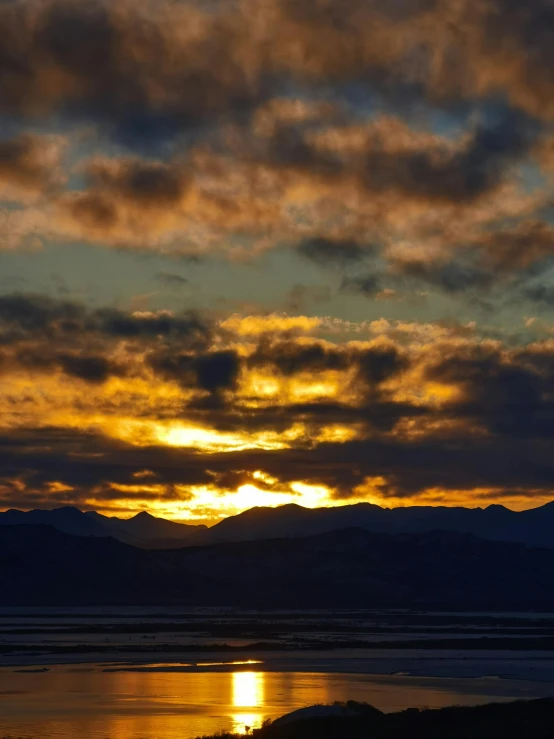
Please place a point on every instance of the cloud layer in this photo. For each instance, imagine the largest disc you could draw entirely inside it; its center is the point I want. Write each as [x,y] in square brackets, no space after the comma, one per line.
[382,175]
[93,398]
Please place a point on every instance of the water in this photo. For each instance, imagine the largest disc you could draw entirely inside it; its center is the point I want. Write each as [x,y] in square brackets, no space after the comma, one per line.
[86,701]
[165,673]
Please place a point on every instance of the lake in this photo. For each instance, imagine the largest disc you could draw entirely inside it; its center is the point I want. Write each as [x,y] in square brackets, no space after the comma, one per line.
[83,700]
[168,674]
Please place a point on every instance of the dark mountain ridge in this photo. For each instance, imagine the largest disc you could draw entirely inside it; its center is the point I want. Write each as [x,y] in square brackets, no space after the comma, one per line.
[496,523]
[534,527]
[146,530]
[142,530]
[350,568]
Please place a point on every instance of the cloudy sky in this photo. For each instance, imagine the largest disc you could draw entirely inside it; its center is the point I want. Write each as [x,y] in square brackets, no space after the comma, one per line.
[255,252]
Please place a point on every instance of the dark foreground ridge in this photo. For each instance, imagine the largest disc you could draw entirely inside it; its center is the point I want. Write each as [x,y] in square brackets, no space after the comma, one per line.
[518,720]
[341,569]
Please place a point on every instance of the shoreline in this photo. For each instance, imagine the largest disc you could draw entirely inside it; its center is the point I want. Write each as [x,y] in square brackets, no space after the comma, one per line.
[441,664]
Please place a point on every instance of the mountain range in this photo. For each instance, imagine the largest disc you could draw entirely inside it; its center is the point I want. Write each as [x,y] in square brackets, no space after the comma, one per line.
[143,530]
[349,568]
[534,527]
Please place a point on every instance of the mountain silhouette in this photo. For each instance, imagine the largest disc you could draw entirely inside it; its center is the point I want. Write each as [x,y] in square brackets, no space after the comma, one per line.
[347,568]
[534,527]
[142,530]
[145,530]
[497,523]
[67,519]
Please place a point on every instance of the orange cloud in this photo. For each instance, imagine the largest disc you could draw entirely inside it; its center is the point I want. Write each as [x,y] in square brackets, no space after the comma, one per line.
[274,323]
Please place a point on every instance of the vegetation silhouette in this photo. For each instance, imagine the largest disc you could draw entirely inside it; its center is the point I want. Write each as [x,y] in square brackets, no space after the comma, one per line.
[517,720]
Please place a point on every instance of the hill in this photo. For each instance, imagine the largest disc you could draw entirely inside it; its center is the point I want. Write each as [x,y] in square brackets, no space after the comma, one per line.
[142,530]
[350,568]
[534,527]
[517,720]
[496,523]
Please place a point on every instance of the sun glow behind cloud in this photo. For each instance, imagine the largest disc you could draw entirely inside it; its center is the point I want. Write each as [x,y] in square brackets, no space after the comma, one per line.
[202,433]
[210,503]
[209,440]
[308,247]
[206,440]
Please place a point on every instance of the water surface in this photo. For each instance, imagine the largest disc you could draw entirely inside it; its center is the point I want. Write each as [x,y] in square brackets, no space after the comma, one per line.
[87,701]
[169,673]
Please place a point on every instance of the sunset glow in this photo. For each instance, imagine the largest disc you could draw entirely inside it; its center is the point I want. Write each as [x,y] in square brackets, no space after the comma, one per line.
[248,258]
[276,368]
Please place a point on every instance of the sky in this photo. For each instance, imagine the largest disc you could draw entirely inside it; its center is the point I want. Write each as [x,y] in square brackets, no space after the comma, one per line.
[256,252]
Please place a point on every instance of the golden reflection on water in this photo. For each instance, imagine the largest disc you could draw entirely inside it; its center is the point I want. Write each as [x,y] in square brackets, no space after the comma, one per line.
[248,692]
[85,701]
[176,666]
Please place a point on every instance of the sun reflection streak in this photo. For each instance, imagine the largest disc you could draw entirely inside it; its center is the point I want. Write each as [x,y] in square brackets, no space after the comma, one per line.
[248,692]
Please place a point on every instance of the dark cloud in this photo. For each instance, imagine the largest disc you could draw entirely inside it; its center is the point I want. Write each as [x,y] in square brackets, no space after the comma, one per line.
[251,126]
[145,184]
[29,314]
[43,334]
[505,398]
[217,370]
[458,175]
[94,210]
[501,49]
[216,77]
[452,277]
[329,253]
[291,358]
[431,170]
[301,295]
[289,148]
[40,359]
[373,365]
[186,327]
[90,463]
[34,315]
[152,72]
[524,34]
[26,162]
[380,363]
[540,293]
[120,191]
[528,244]
[89,368]
[86,460]
[171,280]
[147,74]
[495,432]
[372,412]
[213,371]
[368,285]
[79,38]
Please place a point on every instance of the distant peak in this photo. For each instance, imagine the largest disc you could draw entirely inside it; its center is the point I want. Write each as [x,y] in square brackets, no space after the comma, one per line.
[142,516]
[545,507]
[67,509]
[260,510]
